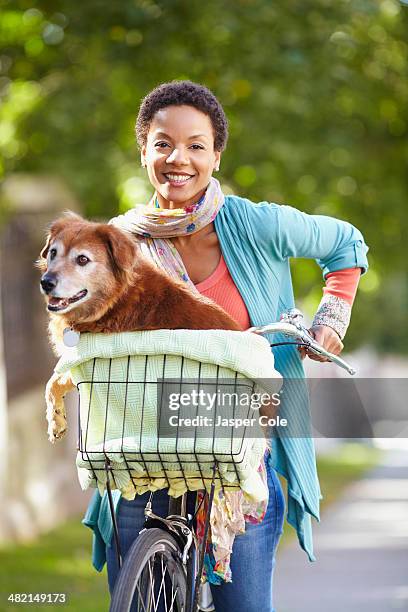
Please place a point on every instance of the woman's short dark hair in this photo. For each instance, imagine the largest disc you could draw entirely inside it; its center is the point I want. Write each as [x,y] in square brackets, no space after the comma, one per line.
[178,93]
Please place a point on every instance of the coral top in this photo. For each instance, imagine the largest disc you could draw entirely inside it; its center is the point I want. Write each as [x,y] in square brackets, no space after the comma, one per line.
[220,287]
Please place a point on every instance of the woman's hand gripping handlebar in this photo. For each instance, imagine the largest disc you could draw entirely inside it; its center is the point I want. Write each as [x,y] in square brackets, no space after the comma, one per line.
[291,325]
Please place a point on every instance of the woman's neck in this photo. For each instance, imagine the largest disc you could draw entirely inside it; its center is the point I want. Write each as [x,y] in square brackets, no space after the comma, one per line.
[171,205]
[194,240]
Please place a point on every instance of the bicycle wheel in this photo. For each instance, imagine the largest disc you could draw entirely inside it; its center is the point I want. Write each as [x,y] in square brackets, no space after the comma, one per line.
[152,578]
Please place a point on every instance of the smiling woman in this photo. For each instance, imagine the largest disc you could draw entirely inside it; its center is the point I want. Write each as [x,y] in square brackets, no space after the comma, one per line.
[179,155]
[236,253]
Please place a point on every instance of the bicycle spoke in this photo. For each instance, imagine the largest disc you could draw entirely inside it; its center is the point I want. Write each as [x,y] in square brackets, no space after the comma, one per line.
[161,586]
[164,572]
[140,598]
[152,581]
[175,594]
[164,569]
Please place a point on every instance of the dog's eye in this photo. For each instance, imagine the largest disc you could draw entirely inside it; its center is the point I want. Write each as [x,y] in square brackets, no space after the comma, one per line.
[82,260]
[53,253]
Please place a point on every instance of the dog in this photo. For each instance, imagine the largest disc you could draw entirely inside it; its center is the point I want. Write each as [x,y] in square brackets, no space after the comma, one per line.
[94,279]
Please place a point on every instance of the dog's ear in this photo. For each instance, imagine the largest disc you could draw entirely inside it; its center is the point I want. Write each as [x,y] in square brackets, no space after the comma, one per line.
[56,227]
[45,249]
[41,262]
[121,249]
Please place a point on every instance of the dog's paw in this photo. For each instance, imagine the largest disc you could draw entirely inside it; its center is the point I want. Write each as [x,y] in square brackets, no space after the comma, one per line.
[57,427]
[57,424]
[55,390]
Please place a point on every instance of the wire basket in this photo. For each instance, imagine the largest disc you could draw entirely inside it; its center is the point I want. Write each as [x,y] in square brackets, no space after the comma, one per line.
[127,422]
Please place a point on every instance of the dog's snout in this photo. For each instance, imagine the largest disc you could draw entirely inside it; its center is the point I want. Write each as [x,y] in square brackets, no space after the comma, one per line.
[48,282]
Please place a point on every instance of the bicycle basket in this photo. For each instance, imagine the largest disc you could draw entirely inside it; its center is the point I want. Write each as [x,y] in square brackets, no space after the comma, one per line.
[124,416]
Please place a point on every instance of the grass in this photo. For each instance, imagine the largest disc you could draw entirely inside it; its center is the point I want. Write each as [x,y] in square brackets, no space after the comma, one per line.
[340,469]
[59,562]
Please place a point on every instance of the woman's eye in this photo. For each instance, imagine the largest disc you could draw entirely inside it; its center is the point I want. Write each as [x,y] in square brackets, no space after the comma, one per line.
[82,260]
[53,253]
[196,147]
[161,145]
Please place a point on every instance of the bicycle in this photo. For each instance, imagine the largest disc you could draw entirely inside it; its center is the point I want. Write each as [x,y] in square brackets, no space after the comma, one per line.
[163,568]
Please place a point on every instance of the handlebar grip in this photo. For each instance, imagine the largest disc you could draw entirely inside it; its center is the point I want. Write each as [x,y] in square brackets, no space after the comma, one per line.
[315,348]
[302,335]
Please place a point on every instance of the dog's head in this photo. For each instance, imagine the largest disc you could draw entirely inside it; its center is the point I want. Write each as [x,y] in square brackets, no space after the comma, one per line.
[86,267]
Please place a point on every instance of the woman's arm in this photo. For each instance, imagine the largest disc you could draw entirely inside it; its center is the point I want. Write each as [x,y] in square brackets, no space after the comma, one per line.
[334,244]
[339,249]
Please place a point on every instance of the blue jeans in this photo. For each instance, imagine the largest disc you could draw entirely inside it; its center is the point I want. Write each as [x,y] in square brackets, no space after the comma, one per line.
[252,559]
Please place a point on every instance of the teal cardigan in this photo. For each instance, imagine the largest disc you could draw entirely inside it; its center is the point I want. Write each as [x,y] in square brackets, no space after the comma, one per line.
[257,242]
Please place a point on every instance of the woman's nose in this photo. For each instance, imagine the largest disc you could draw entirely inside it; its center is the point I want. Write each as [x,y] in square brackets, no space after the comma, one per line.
[178,156]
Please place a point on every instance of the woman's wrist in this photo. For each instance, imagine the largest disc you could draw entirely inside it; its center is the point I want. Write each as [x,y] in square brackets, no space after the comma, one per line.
[333,312]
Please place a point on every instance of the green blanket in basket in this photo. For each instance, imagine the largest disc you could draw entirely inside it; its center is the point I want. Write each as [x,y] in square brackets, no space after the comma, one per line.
[119,420]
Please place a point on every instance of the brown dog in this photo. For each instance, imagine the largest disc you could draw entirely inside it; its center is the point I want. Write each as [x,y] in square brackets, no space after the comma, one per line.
[95,280]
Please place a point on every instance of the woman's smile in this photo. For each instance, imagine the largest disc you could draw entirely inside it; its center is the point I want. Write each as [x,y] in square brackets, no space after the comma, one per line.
[176,179]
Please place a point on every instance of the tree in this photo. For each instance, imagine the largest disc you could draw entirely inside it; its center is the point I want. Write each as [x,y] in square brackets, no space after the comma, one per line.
[316,94]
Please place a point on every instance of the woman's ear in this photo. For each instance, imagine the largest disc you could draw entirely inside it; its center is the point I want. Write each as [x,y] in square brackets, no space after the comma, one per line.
[217,160]
[143,157]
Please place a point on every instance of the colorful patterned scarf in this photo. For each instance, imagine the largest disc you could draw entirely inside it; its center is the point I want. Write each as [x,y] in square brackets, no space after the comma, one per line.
[154,226]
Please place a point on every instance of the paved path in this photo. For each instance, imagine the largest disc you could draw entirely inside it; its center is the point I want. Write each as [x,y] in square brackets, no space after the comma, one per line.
[361,548]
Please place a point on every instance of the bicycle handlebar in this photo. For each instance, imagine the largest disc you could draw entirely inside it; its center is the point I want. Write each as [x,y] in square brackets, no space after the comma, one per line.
[291,325]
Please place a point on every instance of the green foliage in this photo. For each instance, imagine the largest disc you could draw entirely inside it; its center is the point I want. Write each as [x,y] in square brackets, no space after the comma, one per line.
[316,94]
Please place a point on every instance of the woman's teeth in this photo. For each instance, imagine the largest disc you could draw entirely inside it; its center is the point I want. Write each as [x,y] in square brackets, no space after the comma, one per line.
[177,178]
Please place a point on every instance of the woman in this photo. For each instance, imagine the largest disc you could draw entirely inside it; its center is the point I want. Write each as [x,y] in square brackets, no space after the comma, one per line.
[236,253]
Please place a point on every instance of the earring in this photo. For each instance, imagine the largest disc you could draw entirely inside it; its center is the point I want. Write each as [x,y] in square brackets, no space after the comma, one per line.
[216,169]
[143,165]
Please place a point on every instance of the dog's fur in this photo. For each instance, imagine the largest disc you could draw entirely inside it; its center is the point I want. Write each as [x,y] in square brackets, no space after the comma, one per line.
[125,292]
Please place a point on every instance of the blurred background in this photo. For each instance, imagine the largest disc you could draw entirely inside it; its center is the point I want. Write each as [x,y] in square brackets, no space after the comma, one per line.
[316,94]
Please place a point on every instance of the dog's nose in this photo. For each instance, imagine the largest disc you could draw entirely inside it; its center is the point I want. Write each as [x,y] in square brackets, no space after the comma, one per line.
[48,282]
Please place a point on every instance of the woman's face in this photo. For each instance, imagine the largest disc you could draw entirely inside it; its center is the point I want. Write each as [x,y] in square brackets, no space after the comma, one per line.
[179,155]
